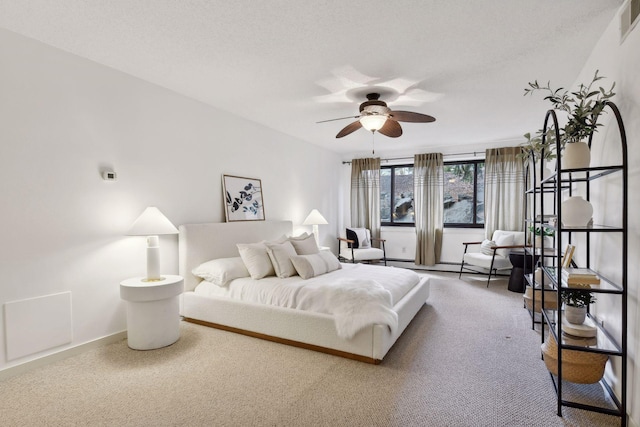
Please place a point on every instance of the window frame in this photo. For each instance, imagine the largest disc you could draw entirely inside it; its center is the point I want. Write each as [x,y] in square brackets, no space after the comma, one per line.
[393,178]
[475,224]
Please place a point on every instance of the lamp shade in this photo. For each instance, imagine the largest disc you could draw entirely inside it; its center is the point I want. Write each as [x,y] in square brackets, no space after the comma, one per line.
[152,223]
[314,218]
[373,122]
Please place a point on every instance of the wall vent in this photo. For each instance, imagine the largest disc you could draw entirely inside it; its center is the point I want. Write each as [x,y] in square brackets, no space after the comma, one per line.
[629,18]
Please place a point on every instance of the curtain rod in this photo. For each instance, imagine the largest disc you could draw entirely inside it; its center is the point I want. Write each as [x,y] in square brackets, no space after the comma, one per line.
[475,153]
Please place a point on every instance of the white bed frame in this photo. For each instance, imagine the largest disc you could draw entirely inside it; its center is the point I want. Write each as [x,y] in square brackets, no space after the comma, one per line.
[316,331]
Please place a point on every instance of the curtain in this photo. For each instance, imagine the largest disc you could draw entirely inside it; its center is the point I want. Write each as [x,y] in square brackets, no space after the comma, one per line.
[504,190]
[365,195]
[428,204]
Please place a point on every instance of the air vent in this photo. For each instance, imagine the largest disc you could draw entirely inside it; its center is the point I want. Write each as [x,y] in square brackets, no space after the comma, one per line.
[629,18]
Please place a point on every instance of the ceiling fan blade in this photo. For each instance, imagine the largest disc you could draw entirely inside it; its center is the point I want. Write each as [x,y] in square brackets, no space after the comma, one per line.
[408,116]
[349,129]
[391,128]
[341,118]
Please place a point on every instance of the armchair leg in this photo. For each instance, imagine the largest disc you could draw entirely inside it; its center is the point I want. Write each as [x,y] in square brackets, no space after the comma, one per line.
[384,254]
[491,268]
[462,264]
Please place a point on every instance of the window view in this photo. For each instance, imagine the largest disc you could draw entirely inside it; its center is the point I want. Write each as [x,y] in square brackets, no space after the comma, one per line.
[463,194]
[396,195]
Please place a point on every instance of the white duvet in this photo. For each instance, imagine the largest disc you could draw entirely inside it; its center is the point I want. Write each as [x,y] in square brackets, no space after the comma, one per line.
[357,295]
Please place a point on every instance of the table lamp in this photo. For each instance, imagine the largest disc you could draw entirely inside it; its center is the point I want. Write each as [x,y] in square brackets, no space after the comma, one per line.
[315,218]
[151,223]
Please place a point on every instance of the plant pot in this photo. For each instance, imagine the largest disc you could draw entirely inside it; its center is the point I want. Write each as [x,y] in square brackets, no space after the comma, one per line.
[543,242]
[577,366]
[576,155]
[576,212]
[575,315]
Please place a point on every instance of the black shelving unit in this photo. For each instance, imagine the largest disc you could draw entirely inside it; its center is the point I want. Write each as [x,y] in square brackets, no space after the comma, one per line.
[613,345]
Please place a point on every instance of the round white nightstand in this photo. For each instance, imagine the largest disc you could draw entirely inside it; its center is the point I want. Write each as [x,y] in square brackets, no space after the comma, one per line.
[153,311]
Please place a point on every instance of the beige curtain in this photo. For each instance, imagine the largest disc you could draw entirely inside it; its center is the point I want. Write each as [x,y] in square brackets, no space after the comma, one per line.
[504,190]
[428,204]
[365,195]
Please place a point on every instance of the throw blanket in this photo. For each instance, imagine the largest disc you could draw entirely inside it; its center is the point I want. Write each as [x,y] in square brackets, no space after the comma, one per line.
[355,304]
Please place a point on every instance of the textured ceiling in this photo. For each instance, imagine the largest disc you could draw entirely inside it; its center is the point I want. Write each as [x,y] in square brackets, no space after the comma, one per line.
[288,64]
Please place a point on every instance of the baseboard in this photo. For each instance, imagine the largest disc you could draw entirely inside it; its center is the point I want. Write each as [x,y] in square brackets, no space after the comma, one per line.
[61,355]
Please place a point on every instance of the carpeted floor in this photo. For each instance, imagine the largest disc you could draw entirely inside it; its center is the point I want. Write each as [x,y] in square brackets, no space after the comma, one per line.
[469,358]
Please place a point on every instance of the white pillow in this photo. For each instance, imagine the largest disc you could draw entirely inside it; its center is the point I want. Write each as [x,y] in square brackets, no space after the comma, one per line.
[280,255]
[256,259]
[361,236]
[504,240]
[486,246]
[309,266]
[221,271]
[305,245]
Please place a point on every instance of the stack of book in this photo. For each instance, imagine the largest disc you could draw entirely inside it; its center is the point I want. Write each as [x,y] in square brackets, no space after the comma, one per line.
[579,276]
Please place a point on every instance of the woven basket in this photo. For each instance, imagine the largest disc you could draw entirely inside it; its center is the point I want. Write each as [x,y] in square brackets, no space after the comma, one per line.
[577,366]
[550,299]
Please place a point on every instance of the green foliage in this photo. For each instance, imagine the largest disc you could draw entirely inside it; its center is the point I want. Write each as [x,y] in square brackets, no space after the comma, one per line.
[583,107]
[535,146]
[577,297]
[542,231]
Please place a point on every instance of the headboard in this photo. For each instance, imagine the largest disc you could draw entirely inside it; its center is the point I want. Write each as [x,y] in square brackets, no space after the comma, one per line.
[198,243]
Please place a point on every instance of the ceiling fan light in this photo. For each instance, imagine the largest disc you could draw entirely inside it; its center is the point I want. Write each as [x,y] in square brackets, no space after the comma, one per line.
[373,122]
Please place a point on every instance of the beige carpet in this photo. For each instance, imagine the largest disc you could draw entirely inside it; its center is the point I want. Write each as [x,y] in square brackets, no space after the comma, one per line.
[469,358]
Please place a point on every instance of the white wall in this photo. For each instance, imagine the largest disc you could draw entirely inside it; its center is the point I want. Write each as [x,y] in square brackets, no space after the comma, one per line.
[64,119]
[619,63]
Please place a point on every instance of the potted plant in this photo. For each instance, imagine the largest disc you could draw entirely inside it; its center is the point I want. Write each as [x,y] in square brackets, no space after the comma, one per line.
[541,234]
[576,302]
[533,145]
[583,108]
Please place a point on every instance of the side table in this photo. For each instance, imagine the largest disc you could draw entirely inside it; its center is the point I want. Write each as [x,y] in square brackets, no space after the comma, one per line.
[153,311]
[521,265]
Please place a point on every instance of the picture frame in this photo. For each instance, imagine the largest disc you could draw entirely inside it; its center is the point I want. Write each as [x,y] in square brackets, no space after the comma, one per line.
[242,198]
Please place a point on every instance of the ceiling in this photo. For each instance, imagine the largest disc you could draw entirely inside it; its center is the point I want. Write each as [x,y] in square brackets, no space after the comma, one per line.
[287,64]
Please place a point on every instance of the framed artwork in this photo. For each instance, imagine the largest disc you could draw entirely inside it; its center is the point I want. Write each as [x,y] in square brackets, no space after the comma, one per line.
[242,198]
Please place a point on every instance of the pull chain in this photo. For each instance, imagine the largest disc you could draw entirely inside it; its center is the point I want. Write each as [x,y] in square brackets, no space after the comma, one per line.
[373,142]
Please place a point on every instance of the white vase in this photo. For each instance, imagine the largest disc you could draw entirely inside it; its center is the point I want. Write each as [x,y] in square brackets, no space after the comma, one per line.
[575,315]
[576,212]
[576,155]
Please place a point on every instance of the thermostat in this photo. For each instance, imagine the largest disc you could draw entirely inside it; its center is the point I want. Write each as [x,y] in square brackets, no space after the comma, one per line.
[109,176]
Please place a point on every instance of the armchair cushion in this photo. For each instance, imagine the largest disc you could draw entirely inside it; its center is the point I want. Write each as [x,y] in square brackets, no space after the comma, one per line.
[369,254]
[481,260]
[361,237]
[487,247]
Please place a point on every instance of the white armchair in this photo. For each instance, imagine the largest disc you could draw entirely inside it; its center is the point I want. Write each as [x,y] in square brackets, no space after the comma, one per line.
[356,247]
[493,254]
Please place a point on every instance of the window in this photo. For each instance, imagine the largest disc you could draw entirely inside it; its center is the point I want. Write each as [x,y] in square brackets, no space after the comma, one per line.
[463,194]
[396,195]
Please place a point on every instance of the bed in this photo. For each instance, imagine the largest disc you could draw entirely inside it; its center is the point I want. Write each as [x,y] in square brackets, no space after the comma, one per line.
[199,243]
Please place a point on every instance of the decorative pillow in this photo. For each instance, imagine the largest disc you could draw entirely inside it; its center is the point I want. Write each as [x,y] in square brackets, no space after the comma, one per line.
[486,246]
[504,240]
[309,266]
[361,237]
[280,255]
[255,258]
[305,245]
[221,271]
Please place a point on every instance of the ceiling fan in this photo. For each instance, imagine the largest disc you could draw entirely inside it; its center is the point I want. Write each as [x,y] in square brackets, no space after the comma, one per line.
[376,116]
